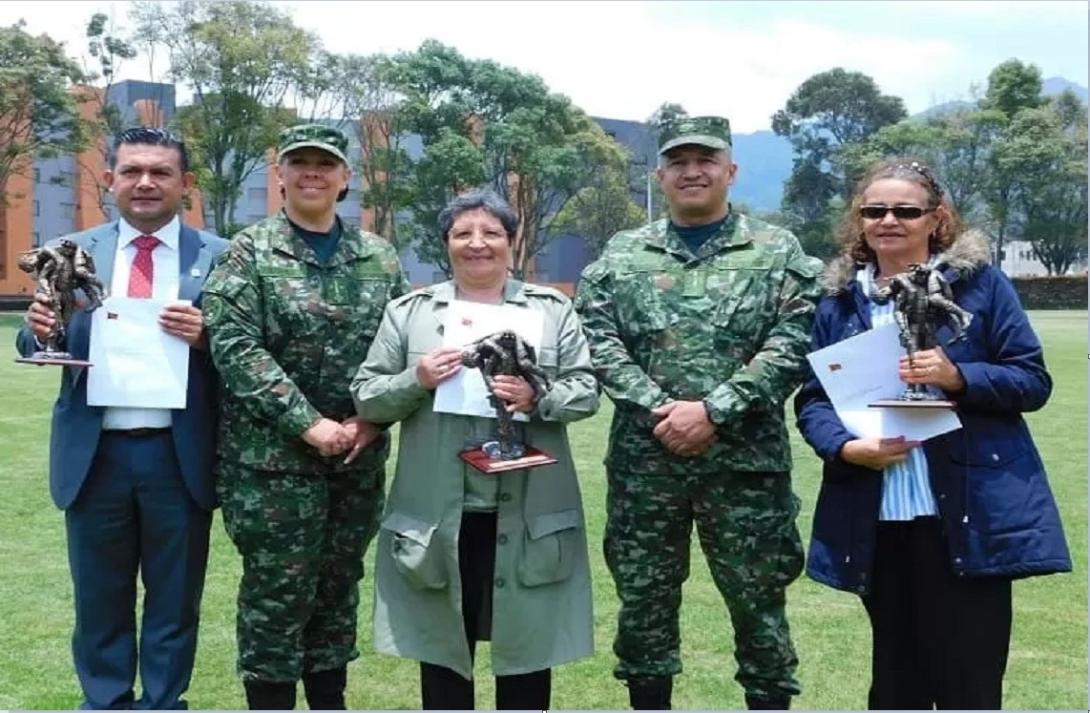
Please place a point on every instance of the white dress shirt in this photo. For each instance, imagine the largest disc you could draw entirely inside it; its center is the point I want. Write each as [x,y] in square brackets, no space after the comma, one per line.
[164,286]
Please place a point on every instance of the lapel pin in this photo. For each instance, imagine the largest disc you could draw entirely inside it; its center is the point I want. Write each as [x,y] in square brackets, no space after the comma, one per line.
[195,272]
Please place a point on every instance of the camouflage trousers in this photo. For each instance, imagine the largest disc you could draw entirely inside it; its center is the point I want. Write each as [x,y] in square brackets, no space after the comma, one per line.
[302,539]
[746,526]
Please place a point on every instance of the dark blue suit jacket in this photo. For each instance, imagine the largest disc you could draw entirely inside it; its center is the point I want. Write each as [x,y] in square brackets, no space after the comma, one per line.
[76,426]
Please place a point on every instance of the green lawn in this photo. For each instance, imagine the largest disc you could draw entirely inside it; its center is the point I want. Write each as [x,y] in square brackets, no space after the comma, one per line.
[1048,662]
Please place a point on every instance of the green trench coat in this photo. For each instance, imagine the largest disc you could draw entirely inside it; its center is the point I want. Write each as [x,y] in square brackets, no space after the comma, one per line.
[541,590]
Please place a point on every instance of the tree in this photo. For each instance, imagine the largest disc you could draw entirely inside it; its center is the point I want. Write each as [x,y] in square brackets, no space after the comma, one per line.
[39,116]
[808,194]
[600,210]
[905,138]
[481,122]
[109,51]
[837,106]
[241,59]
[452,164]
[1013,86]
[542,158]
[830,111]
[955,146]
[366,99]
[666,113]
[961,153]
[1048,162]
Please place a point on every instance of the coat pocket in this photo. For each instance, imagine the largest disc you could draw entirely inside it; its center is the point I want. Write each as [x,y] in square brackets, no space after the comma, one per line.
[1003,483]
[419,560]
[549,548]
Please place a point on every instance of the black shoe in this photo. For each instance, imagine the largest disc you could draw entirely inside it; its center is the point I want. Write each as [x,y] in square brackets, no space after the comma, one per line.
[325,689]
[270,695]
[650,693]
[768,703]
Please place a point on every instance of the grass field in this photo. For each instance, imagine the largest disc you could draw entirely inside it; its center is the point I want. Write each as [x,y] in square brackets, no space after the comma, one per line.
[1048,661]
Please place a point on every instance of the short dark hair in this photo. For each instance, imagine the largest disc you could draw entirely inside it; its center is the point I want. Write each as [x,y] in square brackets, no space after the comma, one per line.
[479,199]
[150,137]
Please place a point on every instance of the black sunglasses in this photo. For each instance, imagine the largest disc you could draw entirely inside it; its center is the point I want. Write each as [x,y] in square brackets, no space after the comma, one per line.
[900,212]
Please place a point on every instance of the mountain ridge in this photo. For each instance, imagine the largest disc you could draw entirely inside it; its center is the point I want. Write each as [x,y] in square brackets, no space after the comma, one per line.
[765,159]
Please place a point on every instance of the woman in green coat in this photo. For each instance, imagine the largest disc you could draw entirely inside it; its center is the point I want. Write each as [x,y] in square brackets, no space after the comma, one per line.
[462,556]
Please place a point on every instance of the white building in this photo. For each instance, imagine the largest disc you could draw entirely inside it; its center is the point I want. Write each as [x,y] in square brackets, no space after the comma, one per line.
[1018,261]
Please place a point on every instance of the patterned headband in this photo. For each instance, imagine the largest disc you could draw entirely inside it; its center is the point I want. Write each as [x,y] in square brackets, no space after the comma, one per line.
[924,171]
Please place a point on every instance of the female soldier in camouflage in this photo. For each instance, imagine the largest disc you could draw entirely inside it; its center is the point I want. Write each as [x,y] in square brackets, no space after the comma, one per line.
[291,312]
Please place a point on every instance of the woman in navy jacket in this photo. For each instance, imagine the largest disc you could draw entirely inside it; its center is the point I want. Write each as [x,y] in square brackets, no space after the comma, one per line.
[930,535]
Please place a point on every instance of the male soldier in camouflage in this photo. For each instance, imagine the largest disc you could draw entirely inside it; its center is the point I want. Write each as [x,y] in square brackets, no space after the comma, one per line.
[698,326]
[291,312]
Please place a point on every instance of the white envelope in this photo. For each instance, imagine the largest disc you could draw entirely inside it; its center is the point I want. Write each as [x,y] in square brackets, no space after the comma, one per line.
[863,369]
[465,392]
[134,363]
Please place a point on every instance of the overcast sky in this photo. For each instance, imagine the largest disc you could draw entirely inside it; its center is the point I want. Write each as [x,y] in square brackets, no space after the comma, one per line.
[738,59]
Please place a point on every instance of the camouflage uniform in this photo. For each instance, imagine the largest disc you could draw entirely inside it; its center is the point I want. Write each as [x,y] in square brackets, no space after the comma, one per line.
[729,326]
[287,335]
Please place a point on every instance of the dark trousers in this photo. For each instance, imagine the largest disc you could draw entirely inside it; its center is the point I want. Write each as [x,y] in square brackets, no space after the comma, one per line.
[135,515]
[940,640]
[443,689]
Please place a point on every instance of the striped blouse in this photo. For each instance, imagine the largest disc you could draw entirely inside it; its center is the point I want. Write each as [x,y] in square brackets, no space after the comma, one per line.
[906,487]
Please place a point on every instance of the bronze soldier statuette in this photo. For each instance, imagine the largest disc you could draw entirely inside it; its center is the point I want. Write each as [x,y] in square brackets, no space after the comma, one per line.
[60,270]
[508,354]
[923,302]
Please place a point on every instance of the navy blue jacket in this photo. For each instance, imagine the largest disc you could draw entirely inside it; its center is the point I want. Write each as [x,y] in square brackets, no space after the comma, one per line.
[76,426]
[997,510]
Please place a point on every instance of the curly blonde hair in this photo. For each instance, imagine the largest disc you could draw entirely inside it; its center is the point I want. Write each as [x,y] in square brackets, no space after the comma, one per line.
[849,233]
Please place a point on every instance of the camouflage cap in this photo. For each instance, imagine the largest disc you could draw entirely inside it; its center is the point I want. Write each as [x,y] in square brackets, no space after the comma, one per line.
[318,136]
[710,131]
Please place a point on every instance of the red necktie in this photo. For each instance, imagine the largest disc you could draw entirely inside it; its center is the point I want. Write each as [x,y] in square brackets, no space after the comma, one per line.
[143,269]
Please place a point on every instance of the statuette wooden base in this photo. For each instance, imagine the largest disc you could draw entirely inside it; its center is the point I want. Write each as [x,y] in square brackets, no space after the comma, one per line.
[480,460]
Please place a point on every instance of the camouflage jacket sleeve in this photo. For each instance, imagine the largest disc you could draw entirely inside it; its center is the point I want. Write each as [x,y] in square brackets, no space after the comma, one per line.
[778,367]
[233,317]
[574,393]
[620,375]
[385,388]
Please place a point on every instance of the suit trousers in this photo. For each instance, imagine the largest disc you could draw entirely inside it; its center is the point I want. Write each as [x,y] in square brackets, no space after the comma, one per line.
[443,689]
[940,640]
[135,515]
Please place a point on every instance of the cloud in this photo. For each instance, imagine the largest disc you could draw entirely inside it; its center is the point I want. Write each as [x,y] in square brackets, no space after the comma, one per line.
[622,60]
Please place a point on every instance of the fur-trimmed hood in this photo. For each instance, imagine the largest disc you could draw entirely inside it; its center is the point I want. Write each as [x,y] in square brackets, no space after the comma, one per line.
[968,253]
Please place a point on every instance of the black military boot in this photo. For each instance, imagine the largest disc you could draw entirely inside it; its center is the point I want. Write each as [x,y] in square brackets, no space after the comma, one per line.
[325,689]
[768,703]
[270,695]
[650,693]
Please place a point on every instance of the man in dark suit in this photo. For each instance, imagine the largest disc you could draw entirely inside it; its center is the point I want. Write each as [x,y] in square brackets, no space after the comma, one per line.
[136,483]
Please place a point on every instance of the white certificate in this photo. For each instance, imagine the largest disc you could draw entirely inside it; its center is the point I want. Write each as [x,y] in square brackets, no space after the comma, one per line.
[466,322]
[863,369]
[134,363]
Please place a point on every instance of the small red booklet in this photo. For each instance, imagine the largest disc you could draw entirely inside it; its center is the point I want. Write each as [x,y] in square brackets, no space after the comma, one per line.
[480,460]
